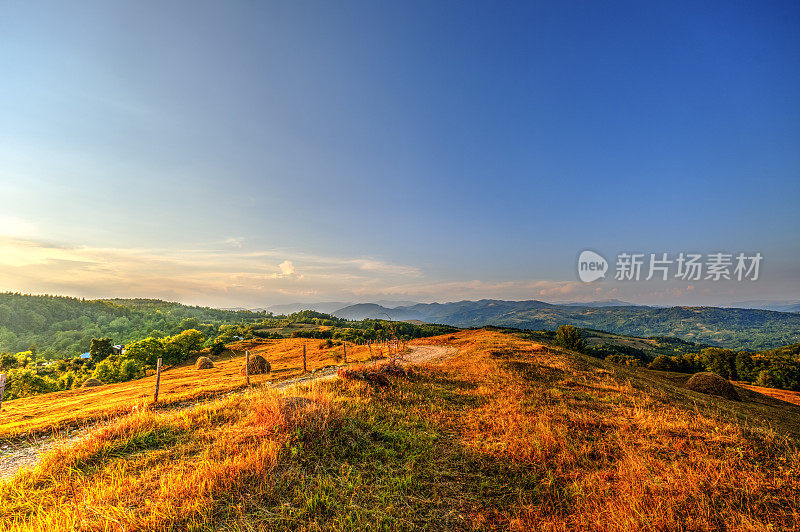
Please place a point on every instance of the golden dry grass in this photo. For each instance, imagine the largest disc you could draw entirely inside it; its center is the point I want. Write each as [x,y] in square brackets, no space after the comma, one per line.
[506,435]
[182,383]
[783,395]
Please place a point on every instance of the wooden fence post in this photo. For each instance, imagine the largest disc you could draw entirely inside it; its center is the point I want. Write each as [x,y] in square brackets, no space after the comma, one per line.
[305,368]
[2,388]
[247,367]
[344,346]
[158,379]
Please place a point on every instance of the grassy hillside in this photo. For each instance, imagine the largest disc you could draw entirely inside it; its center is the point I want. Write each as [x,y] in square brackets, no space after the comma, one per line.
[733,328]
[507,434]
[70,408]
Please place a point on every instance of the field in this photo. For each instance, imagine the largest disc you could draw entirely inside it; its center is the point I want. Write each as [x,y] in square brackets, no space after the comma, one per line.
[505,434]
[182,383]
[782,395]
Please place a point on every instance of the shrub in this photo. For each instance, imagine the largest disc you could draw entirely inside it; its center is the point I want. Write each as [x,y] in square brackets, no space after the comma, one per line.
[115,369]
[7,361]
[217,348]
[569,337]
[179,347]
[24,382]
[663,363]
[129,370]
[66,380]
[106,371]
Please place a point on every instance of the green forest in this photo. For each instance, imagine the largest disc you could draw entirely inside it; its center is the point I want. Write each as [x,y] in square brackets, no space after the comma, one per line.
[54,327]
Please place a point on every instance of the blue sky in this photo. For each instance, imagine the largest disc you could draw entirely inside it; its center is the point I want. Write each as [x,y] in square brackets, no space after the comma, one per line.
[252,153]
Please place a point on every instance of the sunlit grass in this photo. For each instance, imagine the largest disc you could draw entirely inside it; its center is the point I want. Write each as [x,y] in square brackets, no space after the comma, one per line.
[505,435]
[43,413]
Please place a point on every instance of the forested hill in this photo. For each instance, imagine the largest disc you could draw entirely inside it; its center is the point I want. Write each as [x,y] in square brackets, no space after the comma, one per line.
[733,328]
[64,326]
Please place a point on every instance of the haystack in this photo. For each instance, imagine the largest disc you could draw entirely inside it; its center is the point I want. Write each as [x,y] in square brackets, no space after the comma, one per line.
[203,363]
[91,382]
[258,366]
[712,384]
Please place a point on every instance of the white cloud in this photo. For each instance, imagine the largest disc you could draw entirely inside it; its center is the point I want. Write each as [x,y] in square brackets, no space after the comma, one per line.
[287,268]
[234,241]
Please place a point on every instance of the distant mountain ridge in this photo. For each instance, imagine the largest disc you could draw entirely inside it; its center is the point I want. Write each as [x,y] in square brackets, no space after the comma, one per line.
[329,307]
[601,303]
[779,306]
[734,328]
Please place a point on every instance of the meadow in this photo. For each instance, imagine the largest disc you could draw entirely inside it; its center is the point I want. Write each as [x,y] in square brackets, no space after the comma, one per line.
[505,434]
[179,384]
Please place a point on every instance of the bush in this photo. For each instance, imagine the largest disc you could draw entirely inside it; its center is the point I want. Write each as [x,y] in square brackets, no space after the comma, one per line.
[181,346]
[217,348]
[129,370]
[171,350]
[66,380]
[569,337]
[117,370]
[663,363]
[7,361]
[146,352]
[106,371]
[24,382]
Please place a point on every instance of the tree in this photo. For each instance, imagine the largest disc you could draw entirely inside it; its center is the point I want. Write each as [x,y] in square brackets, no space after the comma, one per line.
[146,351]
[24,382]
[7,361]
[179,347]
[217,347]
[663,363]
[24,359]
[720,361]
[107,371]
[129,370]
[100,349]
[569,337]
[66,380]
[745,368]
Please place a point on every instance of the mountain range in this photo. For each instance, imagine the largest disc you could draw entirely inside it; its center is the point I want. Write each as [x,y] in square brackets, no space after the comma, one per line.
[779,306]
[734,328]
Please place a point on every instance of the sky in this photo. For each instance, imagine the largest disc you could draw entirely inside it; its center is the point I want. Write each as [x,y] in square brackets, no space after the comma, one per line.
[256,153]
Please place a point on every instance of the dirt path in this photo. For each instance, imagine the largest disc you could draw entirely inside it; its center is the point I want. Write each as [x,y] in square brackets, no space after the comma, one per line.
[419,354]
[15,456]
